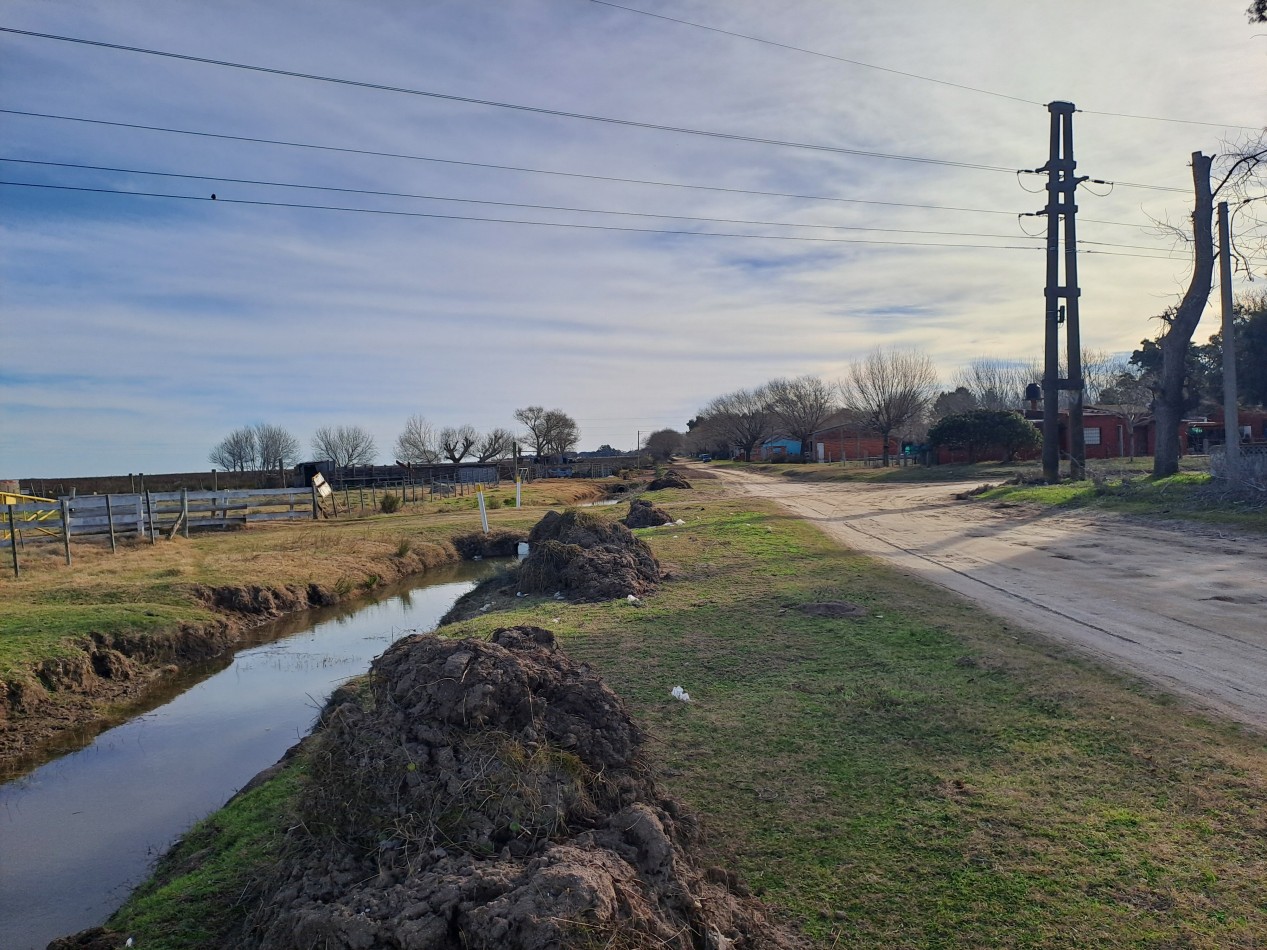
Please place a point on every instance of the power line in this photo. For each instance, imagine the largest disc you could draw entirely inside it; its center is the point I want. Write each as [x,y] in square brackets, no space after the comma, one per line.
[519,107]
[505,204]
[544,224]
[811,52]
[519,168]
[909,75]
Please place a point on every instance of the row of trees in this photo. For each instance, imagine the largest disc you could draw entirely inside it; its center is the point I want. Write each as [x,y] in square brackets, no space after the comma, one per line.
[886,392]
[550,432]
[893,391]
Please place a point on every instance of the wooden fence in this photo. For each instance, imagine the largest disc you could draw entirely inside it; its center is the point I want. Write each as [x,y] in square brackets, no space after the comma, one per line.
[149,515]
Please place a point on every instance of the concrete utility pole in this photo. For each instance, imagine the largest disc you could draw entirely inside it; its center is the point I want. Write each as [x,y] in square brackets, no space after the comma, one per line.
[1231,421]
[1062,184]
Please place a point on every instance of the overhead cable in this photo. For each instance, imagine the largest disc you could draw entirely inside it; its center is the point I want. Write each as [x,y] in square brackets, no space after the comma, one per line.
[516,221]
[524,169]
[537,110]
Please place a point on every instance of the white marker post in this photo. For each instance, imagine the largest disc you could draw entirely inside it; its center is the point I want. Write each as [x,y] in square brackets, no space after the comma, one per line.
[483,510]
[519,493]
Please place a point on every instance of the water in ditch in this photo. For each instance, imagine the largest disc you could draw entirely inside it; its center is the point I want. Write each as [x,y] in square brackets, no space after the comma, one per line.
[77,834]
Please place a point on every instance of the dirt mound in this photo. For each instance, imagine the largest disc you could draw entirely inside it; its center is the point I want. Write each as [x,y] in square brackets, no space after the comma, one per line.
[587,558]
[833,608]
[644,514]
[670,479]
[490,795]
[497,543]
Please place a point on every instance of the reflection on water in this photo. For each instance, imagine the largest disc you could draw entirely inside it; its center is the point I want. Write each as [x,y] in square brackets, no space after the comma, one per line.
[77,834]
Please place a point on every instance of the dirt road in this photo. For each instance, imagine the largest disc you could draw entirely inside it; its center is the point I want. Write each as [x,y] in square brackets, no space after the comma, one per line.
[1181,605]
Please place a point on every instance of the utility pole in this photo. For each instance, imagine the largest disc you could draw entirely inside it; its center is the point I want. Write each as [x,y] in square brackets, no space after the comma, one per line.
[1231,421]
[1062,184]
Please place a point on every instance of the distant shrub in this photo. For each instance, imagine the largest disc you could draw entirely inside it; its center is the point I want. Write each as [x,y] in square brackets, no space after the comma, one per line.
[389,504]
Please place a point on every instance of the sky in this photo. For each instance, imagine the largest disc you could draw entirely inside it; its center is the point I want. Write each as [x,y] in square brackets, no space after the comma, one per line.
[382,262]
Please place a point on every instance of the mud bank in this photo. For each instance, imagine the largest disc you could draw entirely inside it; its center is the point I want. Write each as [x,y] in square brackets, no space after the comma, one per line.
[61,703]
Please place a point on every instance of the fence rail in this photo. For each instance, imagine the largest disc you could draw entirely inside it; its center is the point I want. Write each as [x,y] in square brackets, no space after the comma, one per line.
[150,514]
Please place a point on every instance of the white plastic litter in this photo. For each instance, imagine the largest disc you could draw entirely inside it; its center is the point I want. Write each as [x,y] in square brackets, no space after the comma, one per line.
[632,599]
[679,693]
[679,521]
[522,549]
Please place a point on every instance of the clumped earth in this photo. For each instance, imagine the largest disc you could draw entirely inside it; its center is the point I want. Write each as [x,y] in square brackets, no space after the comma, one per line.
[473,794]
[670,479]
[586,558]
[833,609]
[498,543]
[645,514]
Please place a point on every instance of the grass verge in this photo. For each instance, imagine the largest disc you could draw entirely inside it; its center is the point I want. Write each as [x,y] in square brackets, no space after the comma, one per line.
[1193,496]
[920,776]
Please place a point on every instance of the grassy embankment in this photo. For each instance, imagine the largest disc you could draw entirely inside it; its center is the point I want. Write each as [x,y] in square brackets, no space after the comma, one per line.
[922,776]
[151,590]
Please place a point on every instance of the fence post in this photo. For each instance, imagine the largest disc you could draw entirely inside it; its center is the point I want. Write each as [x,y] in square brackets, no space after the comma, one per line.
[149,516]
[483,511]
[13,543]
[110,522]
[184,509]
[66,528]
[315,509]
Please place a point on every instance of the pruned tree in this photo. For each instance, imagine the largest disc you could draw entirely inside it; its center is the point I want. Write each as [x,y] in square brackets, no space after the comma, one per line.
[562,432]
[741,420]
[663,443]
[494,445]
[236,451]
[534,419]
[890,389]
[456,442]
[800,405]
[1257,11]
[416,444]
[274,447]
[1238,170]
[344,445]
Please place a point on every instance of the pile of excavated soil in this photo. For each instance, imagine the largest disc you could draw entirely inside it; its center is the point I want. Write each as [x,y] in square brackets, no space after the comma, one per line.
[498,543]
[670,479]
[480,794]
[644,514]
[586,557]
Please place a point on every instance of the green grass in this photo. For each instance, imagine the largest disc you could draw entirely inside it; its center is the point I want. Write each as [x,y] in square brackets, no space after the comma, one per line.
[923,776]
[195,895]
[1189,495]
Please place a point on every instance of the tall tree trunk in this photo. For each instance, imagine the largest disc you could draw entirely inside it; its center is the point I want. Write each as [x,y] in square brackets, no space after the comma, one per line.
[1169,405]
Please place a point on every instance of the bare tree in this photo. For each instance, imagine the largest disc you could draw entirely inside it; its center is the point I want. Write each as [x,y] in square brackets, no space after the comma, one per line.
[494,445]
[1239,170]
[235,452]
[1129,397]
[416,444]
[456,442]
[562,432]
[534,417]
[742,419]
[274,446]
[996,383]
[344,445]
[800,405]
[890,390]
